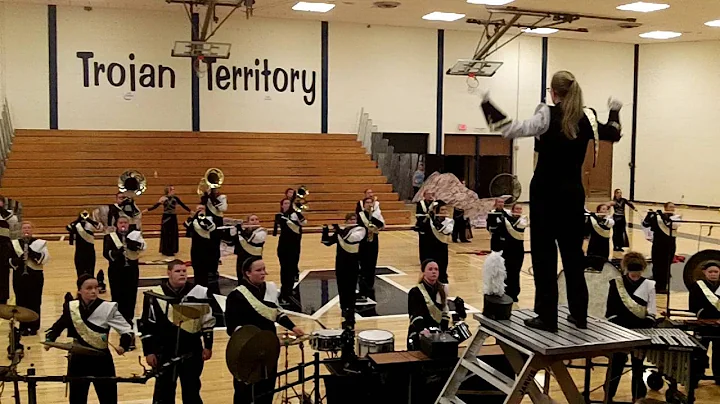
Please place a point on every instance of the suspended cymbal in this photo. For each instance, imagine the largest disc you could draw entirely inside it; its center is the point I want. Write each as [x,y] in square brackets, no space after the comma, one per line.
[73,348]
[21,314]
[252,354]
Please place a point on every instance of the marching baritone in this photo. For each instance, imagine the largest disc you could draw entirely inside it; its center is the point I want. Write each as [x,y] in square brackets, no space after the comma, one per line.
[82,235]
[371,219]
[347,263]
[8,220]
[124,207]
[705,303]
[30,255]
[88,320]
[427,305]
[168,334]
[439,228]
[631,304]
[422,216]
[664,232]
[215,206]
[599,226]
[290,224]
[508,231]
[254,302]
[249,241]
[620,237]
[169,237]
[122,249]
[204,256]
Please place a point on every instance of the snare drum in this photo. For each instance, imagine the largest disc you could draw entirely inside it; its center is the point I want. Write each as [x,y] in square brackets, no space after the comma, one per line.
[461,331]
[375,341]
[327,340]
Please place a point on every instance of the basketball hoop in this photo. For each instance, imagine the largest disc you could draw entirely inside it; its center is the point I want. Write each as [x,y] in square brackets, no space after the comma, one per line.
[200,66]
[472,82]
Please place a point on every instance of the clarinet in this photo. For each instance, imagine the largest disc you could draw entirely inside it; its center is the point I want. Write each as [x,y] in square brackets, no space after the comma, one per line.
[124,241]
[26,245]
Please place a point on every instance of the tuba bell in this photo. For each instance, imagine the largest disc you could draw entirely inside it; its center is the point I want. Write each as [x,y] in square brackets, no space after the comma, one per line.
[132,183]
[212,179]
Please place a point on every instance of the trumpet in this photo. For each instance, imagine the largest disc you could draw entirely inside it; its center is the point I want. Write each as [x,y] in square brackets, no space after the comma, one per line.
[132,183]
[212,179]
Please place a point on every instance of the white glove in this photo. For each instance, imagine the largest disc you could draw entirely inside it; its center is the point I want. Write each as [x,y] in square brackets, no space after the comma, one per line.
[614,104]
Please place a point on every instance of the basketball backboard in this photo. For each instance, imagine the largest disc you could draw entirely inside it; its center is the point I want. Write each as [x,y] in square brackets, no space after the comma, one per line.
[214,50]
[476,68]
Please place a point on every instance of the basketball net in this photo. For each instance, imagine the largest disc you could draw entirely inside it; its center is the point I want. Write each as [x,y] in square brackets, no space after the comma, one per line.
[472,83]
[200,66]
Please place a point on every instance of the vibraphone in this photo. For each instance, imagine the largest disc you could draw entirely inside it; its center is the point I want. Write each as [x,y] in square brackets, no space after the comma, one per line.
[672,352]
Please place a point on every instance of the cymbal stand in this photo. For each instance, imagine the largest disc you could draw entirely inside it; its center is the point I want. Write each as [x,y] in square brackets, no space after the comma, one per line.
[303,397]
[15,360]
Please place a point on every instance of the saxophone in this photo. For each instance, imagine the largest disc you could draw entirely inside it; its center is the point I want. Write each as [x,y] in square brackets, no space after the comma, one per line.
[372,229]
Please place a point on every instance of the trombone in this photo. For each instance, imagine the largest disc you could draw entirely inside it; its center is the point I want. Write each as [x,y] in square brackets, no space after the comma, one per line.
[132,183]
[212,179]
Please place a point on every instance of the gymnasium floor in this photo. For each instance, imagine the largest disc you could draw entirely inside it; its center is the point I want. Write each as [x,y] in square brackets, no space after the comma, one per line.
[398,250]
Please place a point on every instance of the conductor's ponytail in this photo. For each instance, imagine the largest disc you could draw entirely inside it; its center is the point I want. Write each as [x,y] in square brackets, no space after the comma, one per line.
[568,91]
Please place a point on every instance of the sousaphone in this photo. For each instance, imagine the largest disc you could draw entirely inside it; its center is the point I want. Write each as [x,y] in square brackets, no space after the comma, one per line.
[212,179]
[132,183]
[693,266]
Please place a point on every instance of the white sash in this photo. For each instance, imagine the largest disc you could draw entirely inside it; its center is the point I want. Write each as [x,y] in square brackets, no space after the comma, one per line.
[95,339]
[263,310]
[599,229]
[84,234]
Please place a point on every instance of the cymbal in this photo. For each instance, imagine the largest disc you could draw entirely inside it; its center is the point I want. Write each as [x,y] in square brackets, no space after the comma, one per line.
[288,339]
[21,314]
[252,354]
[187,311]
[73,348]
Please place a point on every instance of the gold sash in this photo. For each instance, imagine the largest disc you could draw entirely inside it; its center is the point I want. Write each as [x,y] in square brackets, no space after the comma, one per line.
[249,248]
[116,241]
[435,313]
[131,255]
[638,310]
[84,234]
[514,233]
[596,136]
[213,209]
[712,297]
[348,247]
[18,249]
[4,232]
[443,238]
[598,228]
[20,253]
[188,324]
[372,230]
[95,339]
[663,227]
[292,225]
[199,230]
[263,310]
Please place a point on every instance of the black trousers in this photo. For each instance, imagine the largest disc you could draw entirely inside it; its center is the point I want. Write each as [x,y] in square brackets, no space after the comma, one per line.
[514,255]
[28,293]
[620,237]
[204,255]
[6,251]
[124,288]
[84,258]
[347,267]
[289,258]
[423,241]
[550,231]
[169,237]
[704,362]
[368,262]
[438,252]
[246,393]
[82,365]
[460,230]
[663,252]
[189,372]
[638,388]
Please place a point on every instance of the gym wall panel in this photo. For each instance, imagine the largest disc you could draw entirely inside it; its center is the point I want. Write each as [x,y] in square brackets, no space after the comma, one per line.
[2,53]
[391,72]
[603,70]
[287,96]
[25,48]
[100,87]
[677,142]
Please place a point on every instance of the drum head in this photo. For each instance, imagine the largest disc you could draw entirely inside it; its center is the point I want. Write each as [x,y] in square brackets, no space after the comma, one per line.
[376,335]
[252,354]
[327,333]
[598,283]
[693,266]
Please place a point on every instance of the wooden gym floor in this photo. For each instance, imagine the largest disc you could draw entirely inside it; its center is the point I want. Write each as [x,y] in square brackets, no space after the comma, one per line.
[397,249]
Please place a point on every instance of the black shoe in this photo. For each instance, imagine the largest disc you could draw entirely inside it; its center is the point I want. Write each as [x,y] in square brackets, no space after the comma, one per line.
[32,332]
[25,333]
[540,325]
[579,324]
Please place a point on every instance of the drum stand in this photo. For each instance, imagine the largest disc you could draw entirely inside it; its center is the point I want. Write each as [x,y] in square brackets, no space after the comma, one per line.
[15,360]
[304,398]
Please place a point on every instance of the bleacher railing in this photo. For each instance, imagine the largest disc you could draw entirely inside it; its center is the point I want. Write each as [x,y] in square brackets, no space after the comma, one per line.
[7,134]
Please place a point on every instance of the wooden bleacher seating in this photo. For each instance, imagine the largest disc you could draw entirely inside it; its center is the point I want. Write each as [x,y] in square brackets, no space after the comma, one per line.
[57,174]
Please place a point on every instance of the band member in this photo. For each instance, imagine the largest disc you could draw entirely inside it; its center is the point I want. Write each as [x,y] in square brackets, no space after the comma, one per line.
[29,257]
[664,232]
[167,334]
[361,203]
[439,228]
[561,133]
[249,241]
[169,237]
[496,226]
[347,263]
[88,321]
[372,221]
[254,302]
[427,305]
[631,304]
[203,254]
[620,237]
[215,206]
[82,234]
[462,225]
[290,194]
[704,302]
[290,224]
[8,221]
[122,249]
[422,217]
[124,207]
[514,251]
[599,227]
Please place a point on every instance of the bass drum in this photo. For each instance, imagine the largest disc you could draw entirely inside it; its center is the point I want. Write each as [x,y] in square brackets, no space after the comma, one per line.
[693,266]
[598,283]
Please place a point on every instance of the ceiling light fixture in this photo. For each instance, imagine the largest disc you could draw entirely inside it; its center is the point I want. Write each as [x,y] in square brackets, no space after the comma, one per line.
[440,16]
[713,23]
[313,7]
[490,2]
[541,31]
[660,35]
[643,7]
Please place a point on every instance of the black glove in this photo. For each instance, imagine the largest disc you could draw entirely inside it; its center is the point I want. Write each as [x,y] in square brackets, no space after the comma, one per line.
[133,245]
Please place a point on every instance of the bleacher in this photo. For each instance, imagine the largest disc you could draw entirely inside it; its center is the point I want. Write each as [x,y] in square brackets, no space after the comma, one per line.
[56,174]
